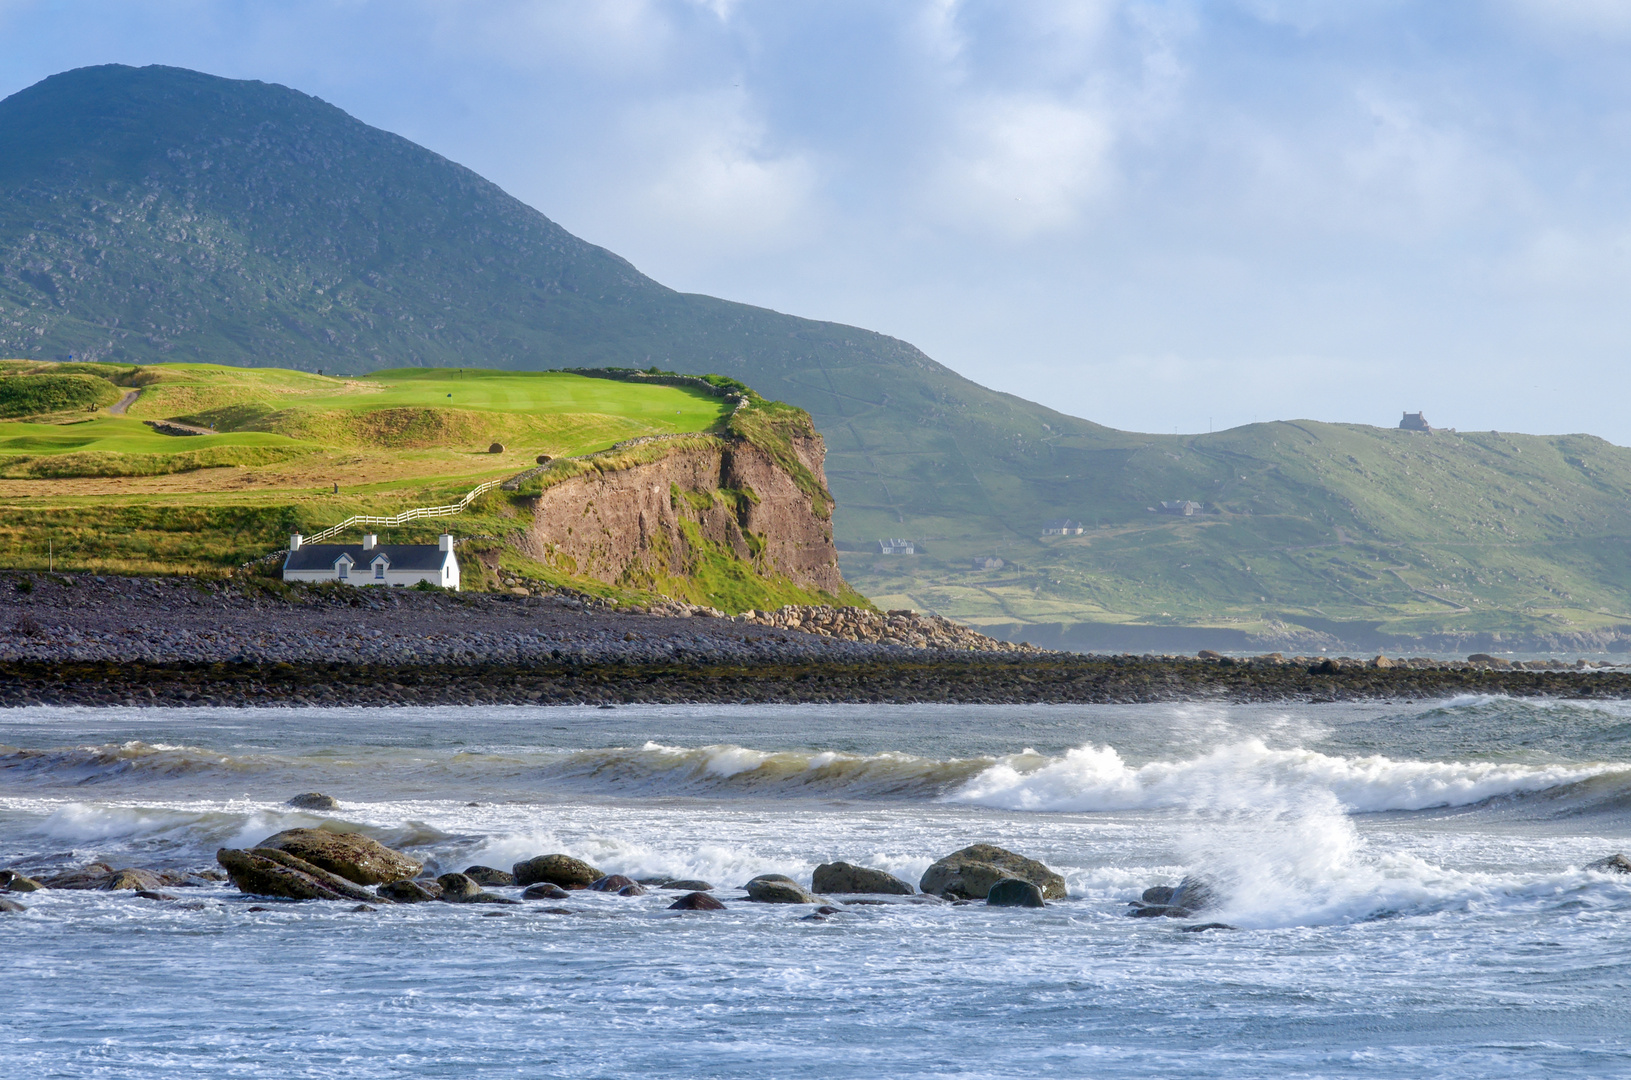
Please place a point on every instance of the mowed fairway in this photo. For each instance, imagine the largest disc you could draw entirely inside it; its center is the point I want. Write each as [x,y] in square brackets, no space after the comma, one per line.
[284,441]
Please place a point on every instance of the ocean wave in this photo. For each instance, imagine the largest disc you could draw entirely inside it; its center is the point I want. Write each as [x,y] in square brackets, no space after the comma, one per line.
[1244,774]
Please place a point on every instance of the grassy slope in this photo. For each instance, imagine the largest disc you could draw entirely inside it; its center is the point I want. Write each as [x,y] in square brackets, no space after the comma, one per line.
[257,226]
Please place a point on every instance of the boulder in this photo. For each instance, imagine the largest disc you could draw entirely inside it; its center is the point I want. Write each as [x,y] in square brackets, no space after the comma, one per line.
[969,874]
[350,855]
[458,888]
[636,889]
[696,901]
[331,880]
[611,883]
[314,800]
[1015,892]
[1614,864]
[149,894]
[687,885]
[90,876]
[254,873]
[404,892]
[486,875]
[562,870]
[131,878]
[12,881]
[777,889]
[842,877]
[544,890]
[11,905]
[1196,892]
[496,448]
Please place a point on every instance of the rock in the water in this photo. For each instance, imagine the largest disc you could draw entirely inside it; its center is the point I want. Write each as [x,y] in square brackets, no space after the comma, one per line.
[544,890]
[1614,864]
[562,870]
[696,901]
[257,874]
[132,879]
[1195,892]
[843,877]
[1014,892]
[777,889]
[91,876]
[458,888]
[314,800]
[354,857]
[611,883]
[636,889]
[1201,928]
[149,894]
[404,892]
[486,875]
[312,870]
[687,885]
[12,881]
[11,905]
[969,874]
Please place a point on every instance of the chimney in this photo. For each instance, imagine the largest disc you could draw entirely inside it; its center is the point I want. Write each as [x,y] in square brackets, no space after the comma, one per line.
[444,542]
[369,541]
[294,542]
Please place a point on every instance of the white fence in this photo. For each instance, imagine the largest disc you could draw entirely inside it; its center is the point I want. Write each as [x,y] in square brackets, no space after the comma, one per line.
[406,516]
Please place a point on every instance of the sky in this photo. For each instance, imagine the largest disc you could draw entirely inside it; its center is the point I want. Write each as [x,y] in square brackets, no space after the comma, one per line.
[1161,215]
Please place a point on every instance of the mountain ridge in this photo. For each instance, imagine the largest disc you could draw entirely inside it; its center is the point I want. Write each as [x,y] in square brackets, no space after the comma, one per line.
[154,214]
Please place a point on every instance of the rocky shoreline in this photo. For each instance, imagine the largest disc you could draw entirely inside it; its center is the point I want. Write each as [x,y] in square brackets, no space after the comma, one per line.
[67,640]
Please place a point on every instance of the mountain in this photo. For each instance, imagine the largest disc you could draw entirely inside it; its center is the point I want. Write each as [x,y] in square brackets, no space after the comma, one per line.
[156,214]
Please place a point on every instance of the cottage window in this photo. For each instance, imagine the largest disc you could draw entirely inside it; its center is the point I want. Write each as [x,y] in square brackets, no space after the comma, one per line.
[379,571]
[344,569]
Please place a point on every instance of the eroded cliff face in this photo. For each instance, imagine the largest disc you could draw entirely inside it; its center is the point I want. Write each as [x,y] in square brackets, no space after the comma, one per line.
[706,509]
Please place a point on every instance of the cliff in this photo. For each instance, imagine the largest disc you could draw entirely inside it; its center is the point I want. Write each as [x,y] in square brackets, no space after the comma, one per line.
[713,519]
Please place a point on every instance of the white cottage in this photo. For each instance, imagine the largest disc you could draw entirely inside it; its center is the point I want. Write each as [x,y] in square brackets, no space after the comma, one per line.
[373,563]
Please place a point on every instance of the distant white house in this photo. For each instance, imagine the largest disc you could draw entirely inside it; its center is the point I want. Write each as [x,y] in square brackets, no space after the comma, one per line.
[1062,527]
[896,546]
[1181,507]
[373,563]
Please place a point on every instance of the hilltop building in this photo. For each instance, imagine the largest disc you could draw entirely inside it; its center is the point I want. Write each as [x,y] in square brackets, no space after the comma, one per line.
[1062,527]
[1181,507]
[373,563]
[1415,421]
[896,546]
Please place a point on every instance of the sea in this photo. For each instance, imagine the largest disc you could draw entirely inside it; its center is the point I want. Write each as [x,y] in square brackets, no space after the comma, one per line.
[1401,886]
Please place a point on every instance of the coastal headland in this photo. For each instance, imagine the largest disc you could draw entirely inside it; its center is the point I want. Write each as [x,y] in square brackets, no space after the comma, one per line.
[84,640]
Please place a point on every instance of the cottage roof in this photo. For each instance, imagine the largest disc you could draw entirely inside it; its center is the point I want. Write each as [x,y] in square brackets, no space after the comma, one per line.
[402,556]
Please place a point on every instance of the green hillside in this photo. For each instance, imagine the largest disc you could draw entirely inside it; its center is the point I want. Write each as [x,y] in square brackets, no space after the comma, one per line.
[159,215]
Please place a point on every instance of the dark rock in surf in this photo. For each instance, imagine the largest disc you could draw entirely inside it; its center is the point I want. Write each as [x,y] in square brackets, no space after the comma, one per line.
[1196,892]
[131,878]
[12,881]
[149,894]
[545,890]
[777,889]
[90,876]
[687,885]
[696,901]
[843,877]
[405,892]
[969,874]
[332,880]
[350,855]
[486,875]
[258,875]
[457,888]
[1614,864]
[636,889]
[11,905]
[611,883]
[1013,892]
[1201,928]
[314,800]
[562,870]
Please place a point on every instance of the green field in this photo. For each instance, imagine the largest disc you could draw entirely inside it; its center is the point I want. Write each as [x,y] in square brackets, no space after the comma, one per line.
[95,491]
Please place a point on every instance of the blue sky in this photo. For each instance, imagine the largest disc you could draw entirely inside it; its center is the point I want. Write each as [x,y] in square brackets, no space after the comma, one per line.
[1157,215]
